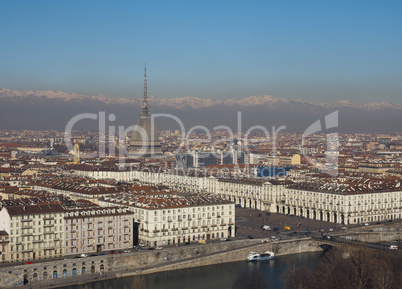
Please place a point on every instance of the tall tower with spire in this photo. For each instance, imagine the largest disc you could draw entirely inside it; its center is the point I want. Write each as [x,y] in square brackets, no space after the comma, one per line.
[145,137]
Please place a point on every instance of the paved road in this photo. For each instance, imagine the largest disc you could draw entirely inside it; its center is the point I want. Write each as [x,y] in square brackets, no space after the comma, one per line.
[249,222]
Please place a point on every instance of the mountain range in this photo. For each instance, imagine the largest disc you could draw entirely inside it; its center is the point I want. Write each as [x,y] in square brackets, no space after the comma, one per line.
[53,109]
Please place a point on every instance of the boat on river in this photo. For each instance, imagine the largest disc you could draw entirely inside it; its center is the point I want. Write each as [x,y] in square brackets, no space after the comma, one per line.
[254,256]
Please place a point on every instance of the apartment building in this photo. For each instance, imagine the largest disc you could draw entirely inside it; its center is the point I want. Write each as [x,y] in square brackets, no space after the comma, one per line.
[164,219]
[260,194]
[346,201]
[35,231]
[4,246]
[97,229]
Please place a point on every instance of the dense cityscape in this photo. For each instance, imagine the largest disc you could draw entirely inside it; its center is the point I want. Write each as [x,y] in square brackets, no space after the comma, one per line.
[58,204]
[200,144]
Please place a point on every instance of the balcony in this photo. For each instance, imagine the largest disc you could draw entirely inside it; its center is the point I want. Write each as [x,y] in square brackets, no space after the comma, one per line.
[28,220]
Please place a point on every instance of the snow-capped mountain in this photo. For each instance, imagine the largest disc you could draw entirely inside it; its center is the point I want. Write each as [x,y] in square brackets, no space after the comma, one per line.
[187,102]
[37,109]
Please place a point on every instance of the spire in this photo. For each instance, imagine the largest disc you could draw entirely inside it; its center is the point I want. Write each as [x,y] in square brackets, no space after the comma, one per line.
[145,83]
[145,105]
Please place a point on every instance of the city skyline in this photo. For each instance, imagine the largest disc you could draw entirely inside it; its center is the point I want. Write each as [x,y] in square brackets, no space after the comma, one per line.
[141,138]
[311,51]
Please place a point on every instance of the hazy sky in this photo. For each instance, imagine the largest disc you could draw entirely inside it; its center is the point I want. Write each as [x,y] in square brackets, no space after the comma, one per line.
[312,50]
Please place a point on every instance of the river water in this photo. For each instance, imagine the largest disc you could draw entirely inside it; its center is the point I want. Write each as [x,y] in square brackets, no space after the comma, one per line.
[220,276]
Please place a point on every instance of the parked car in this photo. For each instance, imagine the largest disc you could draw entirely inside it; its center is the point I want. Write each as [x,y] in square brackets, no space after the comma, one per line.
[202,242]
[28,263]
[158,248]
[84,255]
[223,239]
[266,228]
[393,247]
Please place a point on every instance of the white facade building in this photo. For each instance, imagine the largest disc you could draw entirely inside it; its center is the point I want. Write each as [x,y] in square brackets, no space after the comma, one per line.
[347,202]
[165,219]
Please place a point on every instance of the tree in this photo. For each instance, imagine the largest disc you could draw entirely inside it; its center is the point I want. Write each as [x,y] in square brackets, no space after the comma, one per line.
[362,268]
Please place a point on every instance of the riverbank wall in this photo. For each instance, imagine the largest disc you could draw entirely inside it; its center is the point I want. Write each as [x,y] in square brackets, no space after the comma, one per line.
[240,254]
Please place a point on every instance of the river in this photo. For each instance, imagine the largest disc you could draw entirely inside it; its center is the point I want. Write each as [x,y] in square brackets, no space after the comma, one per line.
[220,276]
